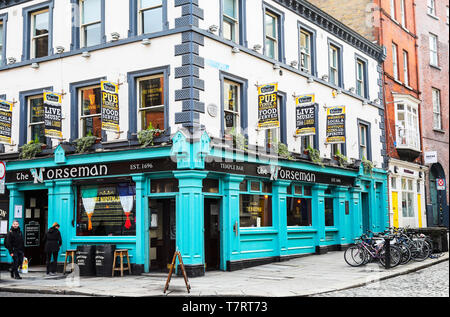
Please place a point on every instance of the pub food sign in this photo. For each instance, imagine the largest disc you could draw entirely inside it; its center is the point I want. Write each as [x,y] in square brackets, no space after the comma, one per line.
[268,115]
[5,122]
[110,106]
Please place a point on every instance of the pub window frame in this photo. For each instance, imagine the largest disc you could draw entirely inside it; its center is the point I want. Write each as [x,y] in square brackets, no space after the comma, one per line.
[395,63]
[362,64]
[141,11]
[141,110]
[84,26]
[279,22]
[336,68]
[294,195]
[437,109]
[3,34]
[434,50]
[34,38]
[80,107]
[260,193]
[234,22]
[312,70]
[39,123]
[367,145]
[135,26]
[406,68]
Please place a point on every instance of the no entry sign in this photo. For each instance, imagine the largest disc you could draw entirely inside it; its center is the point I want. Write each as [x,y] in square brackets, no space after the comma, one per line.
[440,184]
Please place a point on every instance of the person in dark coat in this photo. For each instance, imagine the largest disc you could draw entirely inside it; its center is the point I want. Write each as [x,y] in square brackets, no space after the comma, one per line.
[53,242]
[16,247]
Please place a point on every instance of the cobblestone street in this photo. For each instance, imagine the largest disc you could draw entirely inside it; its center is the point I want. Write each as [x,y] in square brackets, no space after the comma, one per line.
[429,282]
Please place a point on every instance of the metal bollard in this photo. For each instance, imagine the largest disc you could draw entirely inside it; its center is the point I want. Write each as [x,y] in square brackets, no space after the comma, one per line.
[387,255]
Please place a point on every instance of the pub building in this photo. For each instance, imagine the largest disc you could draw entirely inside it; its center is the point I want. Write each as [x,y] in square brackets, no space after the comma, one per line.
[213,183]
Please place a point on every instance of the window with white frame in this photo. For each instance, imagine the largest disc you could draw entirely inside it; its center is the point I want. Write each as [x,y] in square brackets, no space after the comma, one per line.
[273,136]
[407,198]
[403,13]
[91,22]
[434,60]
[395,60]
[151,101]
[431,7]
[306,142]
[337,149]
[305,51]
[271,32]
[407,124]
[393,9]
[394,183]
[334,65]
[39,33]
[36,124]
[361,78]
[1,42]
[405,68]
[437,115]
[150,16]
[230,20]
[363,141]
[91,120]
[232,106]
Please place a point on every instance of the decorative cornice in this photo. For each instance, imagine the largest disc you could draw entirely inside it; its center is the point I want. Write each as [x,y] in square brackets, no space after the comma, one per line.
[9,3]
[325,21]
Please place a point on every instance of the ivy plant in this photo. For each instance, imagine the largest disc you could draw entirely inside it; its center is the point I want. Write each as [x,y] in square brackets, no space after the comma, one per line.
[283,151]
[341,158]
[31,149]
[239,140]
[367,165]
[84,144]
[146,137]
[314,155]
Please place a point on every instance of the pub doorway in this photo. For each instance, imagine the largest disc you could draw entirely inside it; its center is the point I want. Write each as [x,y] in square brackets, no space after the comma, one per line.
[212,234]
[35,216]
[365,213]
[162,233]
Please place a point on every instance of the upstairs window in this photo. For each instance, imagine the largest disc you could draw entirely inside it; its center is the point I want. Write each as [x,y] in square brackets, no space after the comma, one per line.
[230,20]
[91,121]
[150,16]
[36,124]
[1,43]
[305,52]
[434,60]
[39,33]
[91,22]
[405,68]
[271,35]
[437,115]
[395,60]
[403,12]
[335,65]
[151,102]
[408,127]
[361,78]
[232,105]
[431,7]
[363,141]
[393,9]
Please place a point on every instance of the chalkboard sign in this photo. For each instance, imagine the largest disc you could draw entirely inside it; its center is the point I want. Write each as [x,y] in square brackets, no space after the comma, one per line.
[32,234]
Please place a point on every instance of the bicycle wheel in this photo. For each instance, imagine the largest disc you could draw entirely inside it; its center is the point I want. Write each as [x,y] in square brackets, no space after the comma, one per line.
[355,256]
[406,253]
[420,250]
[396,256]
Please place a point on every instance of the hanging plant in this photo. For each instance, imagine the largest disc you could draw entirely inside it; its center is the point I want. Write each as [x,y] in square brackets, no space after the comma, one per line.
[84,144]
[283,151]
[314,155]
[368,166]
[31,149]
[239,140]
[146,137]
[341,158]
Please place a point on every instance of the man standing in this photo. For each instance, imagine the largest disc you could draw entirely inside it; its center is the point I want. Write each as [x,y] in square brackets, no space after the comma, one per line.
[15,245]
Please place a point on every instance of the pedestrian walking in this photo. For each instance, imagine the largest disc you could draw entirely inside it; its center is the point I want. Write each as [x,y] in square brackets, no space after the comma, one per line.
[53,242]
[15,245]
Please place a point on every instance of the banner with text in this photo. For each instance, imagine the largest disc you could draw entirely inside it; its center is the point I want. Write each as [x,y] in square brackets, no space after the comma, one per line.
[336,125]
[53,115]
[306,115]
[268,115]
[110,106]
[6,108]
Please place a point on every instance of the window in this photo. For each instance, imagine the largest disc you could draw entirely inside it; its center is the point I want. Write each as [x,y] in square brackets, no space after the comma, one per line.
[437,115]
[107,210]
[393,9]
[151,102]
[407,198]
[434,60]
[334,65]
[273,136]
[431,7]
[255,211]
[305,52]
[271,34]
[299,210]
[395,60]
[39,33]
[337,149]
[394,183]
[307,141]
[363,142]
[361,78]
[447,16]
[407,126]
[231,106]
[405,68]
[1,42]
[91,121]
[329,212]
[403,13]
[91,22]
[36,123]
[230,20]
[150,16]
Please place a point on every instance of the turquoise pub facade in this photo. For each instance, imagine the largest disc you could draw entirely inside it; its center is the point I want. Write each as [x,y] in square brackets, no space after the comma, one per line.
[197,174]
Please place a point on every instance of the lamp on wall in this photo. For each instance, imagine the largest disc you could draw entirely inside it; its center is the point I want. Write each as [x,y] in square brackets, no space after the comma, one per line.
[146,42]
[257,47]
[236,50]
[12,60]
[35,65]
[115,36]
[325,77]
[352,90]
[86,54]
[294,64]
[276,66]
[310,80]
[60,49]
[213,28]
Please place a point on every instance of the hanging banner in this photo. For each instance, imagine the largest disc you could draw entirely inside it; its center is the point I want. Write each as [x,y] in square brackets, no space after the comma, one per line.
[5,122]
[53,115]
[306,115]
[336,125]
[268,115]
[110,106]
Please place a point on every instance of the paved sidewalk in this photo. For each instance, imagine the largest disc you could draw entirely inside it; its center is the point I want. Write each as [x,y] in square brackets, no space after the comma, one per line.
[304,276]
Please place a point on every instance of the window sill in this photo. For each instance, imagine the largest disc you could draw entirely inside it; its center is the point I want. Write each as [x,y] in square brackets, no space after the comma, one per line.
[436,67]
[432,16]
[331,229]
[439,131]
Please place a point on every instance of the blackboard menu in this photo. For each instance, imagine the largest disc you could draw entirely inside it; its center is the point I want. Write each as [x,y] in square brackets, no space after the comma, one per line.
[32,234]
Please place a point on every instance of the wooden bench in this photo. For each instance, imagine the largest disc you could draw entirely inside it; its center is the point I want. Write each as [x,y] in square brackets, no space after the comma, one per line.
[121,253]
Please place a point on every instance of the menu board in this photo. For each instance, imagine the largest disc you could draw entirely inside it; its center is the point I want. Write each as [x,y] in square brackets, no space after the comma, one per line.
[32,234]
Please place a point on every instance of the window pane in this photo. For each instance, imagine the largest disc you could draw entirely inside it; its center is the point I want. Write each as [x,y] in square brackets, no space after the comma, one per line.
[270,48]
[91,11]
[231,97]
[41,46]
[163,186]
[329,212]
[271,26]
[151,92]
[255,211]
[92,35]
[92,126]
[38,133]
[154,116]
[230,8]
[91,101]
[299,212]
[150,3]
[37,110]
[228,30]
[107,210]
[41,23]
[152,20]
[1,36]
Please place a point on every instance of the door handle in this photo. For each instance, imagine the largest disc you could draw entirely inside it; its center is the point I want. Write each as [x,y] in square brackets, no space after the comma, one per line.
[235,228]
